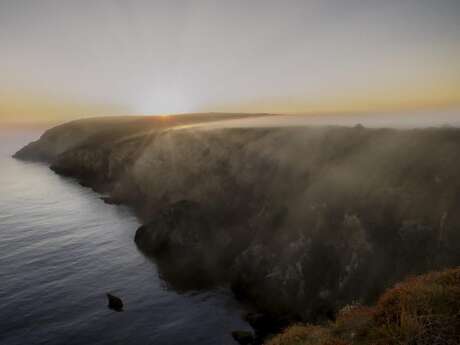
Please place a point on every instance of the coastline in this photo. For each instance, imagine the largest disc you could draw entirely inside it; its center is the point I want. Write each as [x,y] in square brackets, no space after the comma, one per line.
[225,216]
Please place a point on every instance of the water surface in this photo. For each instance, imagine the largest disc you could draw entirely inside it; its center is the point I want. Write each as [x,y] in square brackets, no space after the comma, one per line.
[62,249]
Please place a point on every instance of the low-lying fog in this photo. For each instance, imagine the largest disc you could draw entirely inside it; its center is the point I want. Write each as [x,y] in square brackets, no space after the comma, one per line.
[401,119]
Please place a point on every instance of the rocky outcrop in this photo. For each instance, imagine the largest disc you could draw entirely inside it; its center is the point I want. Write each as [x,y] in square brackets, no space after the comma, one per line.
[243,337]
[298,221]
[115,303]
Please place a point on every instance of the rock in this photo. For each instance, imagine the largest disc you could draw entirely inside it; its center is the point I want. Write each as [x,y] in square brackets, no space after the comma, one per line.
[264,326]
[110,200]
[298,221]
[85,184]
[181,226]
[243,337]
[115,302]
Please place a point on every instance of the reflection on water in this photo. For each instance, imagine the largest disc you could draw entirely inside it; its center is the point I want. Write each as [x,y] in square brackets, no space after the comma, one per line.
[62,249]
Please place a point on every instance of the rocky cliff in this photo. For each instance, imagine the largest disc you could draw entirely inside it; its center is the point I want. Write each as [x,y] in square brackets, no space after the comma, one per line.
[299,221]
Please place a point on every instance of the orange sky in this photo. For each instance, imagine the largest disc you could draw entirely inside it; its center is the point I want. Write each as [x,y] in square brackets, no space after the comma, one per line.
[62,60]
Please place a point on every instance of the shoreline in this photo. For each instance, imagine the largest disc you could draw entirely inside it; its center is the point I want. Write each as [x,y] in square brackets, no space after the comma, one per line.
[263,209]
[263,326]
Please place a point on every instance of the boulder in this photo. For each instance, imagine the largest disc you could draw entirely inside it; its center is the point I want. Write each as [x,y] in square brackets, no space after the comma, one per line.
[115,303]
[243,337]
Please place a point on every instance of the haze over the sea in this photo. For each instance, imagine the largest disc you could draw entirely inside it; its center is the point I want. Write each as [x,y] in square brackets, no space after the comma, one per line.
[62,60]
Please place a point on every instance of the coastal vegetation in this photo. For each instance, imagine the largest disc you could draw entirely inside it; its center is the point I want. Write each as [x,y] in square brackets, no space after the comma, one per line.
[422,310]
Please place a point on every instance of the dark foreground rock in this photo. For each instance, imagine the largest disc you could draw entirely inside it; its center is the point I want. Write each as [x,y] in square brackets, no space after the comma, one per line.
[298,221]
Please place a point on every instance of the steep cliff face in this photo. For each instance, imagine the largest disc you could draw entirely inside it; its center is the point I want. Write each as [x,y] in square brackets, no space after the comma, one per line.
[299,221]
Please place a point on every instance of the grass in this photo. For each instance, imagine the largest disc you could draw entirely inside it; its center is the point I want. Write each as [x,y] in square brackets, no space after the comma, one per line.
[306,335]
[422,310]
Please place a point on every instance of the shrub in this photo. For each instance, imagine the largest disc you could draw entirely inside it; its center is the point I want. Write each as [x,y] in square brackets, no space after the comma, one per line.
[423,310]
[306,335]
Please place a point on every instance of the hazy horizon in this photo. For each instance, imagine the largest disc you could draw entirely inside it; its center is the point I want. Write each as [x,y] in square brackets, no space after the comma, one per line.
[238,172]
[391,119]
[63,60]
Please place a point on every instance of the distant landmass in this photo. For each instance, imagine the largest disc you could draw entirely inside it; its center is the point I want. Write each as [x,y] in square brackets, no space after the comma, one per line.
[299,220]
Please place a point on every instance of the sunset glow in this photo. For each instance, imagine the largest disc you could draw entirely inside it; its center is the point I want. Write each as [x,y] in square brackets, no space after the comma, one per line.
[67,59]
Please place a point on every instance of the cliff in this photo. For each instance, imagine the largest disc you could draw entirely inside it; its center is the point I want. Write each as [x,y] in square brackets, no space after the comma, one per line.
[300,221]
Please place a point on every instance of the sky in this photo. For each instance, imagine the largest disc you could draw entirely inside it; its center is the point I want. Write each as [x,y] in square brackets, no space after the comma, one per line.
[62,59]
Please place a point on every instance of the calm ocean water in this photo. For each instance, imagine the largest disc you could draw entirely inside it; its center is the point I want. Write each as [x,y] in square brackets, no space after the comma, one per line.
[62,249]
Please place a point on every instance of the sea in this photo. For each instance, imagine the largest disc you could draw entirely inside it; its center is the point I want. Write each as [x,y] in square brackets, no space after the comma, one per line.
[62,249]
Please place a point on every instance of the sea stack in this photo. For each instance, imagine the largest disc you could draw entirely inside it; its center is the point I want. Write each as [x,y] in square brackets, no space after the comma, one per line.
[115,303]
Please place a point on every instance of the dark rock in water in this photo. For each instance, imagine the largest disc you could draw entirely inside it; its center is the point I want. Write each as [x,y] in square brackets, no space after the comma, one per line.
[84,184]
[243,337]
[183,239]
[110,201]
[182,226]
[265,326]
[115,303]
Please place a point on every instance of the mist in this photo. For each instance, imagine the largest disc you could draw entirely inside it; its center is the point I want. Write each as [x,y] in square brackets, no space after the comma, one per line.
[395,119]
[297,219]
[297,158]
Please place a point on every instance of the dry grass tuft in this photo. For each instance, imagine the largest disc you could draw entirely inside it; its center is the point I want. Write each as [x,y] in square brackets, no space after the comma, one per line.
[423,310]
[306,335]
